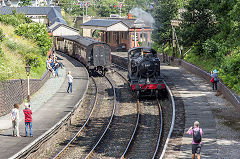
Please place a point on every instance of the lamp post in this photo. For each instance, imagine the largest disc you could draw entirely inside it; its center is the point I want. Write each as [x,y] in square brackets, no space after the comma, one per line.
[28,68]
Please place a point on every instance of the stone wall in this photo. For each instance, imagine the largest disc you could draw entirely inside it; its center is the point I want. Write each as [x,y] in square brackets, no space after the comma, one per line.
[15,91]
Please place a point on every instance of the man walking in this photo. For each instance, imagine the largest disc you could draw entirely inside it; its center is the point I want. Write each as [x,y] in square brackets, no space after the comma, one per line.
[28,119]
[70,80]
[197,133]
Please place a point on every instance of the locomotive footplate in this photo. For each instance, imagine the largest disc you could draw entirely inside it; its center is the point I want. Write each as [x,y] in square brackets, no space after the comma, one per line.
[144,87]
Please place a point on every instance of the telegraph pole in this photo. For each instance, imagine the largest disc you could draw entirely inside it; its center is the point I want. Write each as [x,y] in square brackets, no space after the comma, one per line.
[173,41]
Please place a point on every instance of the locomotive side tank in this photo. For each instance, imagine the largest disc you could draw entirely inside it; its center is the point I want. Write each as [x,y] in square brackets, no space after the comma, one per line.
[93,54]
[144,71]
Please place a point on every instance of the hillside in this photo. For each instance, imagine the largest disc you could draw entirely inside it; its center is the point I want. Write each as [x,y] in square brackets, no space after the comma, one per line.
[23,42]
[12,61]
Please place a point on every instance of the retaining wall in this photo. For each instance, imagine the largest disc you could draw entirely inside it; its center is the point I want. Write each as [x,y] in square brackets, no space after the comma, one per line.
[15,91]
[227,93]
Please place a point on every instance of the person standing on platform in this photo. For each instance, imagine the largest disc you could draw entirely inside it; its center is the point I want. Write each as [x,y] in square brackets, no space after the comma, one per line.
[15,120]
[196,133]
[70,80]
[214,75]
[28,119]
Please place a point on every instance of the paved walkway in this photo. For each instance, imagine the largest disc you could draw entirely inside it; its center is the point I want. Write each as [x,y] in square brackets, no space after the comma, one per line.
[197,107]
[49,105]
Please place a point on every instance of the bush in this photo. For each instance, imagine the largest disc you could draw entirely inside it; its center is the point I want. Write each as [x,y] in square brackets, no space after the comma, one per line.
[15,19]
[230,71]
[31,55]
[38,32]
[210,47]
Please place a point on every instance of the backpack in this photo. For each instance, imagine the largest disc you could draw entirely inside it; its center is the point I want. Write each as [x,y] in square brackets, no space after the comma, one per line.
[197,138]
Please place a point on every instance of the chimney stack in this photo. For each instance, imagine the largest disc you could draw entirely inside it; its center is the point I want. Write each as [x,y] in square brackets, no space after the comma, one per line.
[129,16]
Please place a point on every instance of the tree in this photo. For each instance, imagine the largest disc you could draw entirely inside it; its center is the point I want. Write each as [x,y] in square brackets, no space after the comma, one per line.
[198,24]
[25,3]
[164,12]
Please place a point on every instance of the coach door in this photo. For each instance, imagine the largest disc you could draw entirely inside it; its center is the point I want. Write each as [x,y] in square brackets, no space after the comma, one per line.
[98,55]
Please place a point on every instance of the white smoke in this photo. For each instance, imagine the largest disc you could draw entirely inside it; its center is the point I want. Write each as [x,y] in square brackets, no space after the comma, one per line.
[142,15]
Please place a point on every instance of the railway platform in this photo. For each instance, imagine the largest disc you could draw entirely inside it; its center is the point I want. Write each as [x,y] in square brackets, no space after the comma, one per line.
[49,105]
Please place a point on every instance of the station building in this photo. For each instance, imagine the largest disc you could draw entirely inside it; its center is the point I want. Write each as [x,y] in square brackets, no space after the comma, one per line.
[121,34]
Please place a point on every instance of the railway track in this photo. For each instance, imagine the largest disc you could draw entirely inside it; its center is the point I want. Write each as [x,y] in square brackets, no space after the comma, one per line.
[134,128]
[138,130]
[95,126]
[164,130]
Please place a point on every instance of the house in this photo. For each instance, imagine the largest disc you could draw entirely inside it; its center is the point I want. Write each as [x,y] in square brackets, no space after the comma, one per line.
[15,3]
[60,29]
[121,34]
[44,15]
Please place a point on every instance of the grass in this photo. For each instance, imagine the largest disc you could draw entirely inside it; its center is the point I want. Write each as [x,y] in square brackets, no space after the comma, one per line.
[12,62]
[200,61]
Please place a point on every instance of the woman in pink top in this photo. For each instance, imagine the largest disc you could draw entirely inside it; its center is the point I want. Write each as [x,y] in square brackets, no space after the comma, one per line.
[197,133]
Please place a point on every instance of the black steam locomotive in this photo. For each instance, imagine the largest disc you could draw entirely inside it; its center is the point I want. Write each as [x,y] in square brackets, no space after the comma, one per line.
[144,71]
[93,54]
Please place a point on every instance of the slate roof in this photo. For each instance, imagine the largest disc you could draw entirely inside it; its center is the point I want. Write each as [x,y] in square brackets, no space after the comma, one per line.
[108,22]
[56,25]
[53,13]
[101,22]
[55,16]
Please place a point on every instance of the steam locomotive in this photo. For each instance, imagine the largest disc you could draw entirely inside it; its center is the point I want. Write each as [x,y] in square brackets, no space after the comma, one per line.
[95,55]
[144,72]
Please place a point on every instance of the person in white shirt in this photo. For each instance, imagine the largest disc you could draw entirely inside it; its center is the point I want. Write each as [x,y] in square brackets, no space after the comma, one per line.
[15,120]
[70,80]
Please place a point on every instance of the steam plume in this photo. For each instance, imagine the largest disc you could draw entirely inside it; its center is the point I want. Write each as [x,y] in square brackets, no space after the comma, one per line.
[142,15]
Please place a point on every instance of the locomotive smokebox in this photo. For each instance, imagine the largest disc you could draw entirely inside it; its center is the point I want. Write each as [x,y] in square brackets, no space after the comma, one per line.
[146,68]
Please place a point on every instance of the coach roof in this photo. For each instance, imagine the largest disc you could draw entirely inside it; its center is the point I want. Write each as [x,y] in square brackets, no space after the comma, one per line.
[86,41]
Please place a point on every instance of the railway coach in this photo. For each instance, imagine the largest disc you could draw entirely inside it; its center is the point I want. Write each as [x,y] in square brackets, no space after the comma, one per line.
[95,55]
[144,72]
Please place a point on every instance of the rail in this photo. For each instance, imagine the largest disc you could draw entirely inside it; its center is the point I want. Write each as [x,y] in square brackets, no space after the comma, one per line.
[160,130]
[172,124]
[110,121]
[138,116]
[81,129]
[134,132]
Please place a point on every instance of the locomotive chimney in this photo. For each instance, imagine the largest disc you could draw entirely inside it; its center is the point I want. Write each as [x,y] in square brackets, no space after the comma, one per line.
[129,16]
